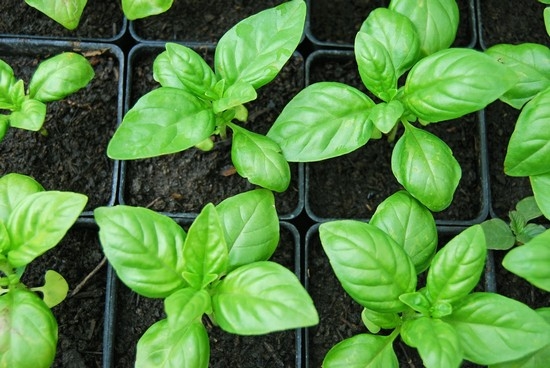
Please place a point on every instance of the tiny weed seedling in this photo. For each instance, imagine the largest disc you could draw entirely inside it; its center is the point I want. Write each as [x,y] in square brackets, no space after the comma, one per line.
[32,221]
[219,268]
[195,102]
[54,79]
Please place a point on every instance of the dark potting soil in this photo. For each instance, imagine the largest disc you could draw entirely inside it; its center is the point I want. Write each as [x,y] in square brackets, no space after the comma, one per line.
[186,181]
[71,157]
[101,19]
[135,314]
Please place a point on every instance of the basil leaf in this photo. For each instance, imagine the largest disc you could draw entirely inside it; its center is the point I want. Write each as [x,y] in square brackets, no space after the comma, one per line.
[426,167]
[262,297]
[165,120]
[59,76]
[436,21]
[372,268]
[546,15]
[498,234]
[529,146]
[54,290]
[144,247]
[136,9]
[530,63]
[29,330]
[362,351]
[410,225]
[436,341]
[7,80]
[529,232]
[324,120]
[528,208]
[4,125]
[30,116]
[161,346]
[380,319]
[39,222]
[454,82]
[256,49]
[186,306]
[13,189]
[541,190]
[250,225]
[66,13]
[385,115]
[235,95]
[259,159]
[494,329]
[457,267]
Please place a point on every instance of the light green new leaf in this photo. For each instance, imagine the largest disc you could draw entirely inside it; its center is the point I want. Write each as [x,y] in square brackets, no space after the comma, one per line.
[436,21]
[494,329]
[541,189]
[259,159]
[59,76]
[528,151]
[530,63]
[371,319]
[324,120]
[454,82]
[251,226]
[498,234]
[186,306]
[66,13]
[165,120]
[436,341]
[30,116]
[256,49]
[7,80]
[28,337]
[362,351]
[136,9]
[39,222]
[13,189]
[145,249]
[385,115]
[262,297]
[426,167]
[372,268]
[235,95]
[54,290]
[410,224]
[163,347]
[457,267]
[531,261]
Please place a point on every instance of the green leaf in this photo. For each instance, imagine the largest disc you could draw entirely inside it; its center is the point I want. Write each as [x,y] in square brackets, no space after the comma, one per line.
[529,232]
[436,341]
[531,261]
[4,125]
[144,247]
[54,290]
[234,96]
[426,167]
[529,146]
[28,336]
[136,9]
[530,63]
[39,222]
[541,190]
[161,346]
[324,120]
[13,189]
[417,301]
[381,320]
[457,267]
[7,80]
[262,297]
[17,95]
[372,268]
[362,351]
[528,208]
[436,21]
[385,115]
[454,82]
[256,49]
[410,225]
[546,15]
[498,234]
[186,306]
[30,116]
[66,13]
[165,120]
[251,226]
[493,329]
[59,76]
[259,159]
[205,251]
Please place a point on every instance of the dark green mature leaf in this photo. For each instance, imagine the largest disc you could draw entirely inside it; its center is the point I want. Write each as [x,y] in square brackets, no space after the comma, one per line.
[324,120]
[372,268]
[362,351]
[144,247]
[13,189]
[493,329]
[251,226]
[498,234]
[59,76]
[30,116]
[28,336]
[66,13]
[541,190]
[262,297]
[529,146]
[165,120]
[426,167]
[457,267]
[7,80]
[186,306]
[256,49]
[136,9]
[454,82]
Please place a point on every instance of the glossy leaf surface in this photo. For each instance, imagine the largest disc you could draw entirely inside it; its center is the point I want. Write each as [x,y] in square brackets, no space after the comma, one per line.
[7,80]
[541,190]
[135,9]
[66,13]
[185,307]
[386,115]
[13,189]
[30,115]
[362,351]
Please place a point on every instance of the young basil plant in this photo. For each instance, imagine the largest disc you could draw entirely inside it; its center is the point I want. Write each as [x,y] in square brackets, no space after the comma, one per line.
[329,119]
[218,268]
[32,221]
[54,79]
[66,13]
[444,320]
[195,102]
